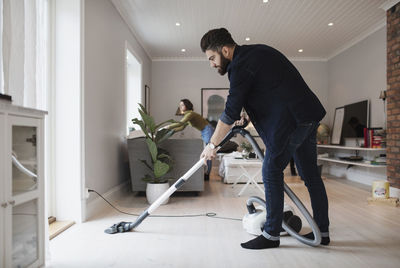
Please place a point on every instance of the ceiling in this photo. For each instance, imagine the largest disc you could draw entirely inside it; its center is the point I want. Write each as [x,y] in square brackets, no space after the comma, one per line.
[288,25]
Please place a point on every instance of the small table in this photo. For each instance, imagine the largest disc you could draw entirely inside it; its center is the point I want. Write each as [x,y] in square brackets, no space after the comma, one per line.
[244,165]
[220,156]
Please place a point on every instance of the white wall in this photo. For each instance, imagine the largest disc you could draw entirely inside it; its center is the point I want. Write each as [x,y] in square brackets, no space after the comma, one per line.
[359,73]
[106,162]
[174,80]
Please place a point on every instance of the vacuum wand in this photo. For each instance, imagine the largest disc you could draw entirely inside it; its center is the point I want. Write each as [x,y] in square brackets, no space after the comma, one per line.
[127,226]
[178,184]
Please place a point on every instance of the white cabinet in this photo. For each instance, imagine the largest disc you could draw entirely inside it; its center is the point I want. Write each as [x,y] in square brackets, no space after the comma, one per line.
[22,218]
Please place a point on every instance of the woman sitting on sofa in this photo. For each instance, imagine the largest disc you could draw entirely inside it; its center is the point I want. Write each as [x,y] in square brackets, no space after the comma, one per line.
[197,121]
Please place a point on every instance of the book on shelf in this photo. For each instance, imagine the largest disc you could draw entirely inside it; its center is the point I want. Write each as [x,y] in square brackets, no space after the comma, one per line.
[374,137]
[378,163]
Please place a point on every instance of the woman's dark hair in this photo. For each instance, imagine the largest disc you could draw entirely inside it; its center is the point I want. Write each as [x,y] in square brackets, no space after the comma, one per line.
[215,39]
[188,104]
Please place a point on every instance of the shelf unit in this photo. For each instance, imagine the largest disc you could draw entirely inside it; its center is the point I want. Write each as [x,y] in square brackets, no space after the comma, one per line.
[22,215]
[350,148]
[347,162]
[354,163]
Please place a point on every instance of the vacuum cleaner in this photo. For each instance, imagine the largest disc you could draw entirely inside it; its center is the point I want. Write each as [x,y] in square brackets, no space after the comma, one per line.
[253,222]
[254,216]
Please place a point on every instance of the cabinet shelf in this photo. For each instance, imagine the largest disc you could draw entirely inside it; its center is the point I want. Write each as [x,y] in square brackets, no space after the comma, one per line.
[351,148]
[354,163]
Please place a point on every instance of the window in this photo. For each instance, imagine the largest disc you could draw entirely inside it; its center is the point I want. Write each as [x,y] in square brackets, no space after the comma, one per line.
[133,88]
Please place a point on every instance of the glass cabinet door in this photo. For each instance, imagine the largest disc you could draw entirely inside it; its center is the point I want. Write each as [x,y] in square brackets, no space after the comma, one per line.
[24,159]
[25,226]
[24,192]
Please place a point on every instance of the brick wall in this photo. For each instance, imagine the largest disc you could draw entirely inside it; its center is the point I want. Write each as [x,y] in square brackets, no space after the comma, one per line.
[393,96]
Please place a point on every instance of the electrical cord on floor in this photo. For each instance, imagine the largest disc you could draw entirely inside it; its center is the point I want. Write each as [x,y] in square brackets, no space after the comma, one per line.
[208,214]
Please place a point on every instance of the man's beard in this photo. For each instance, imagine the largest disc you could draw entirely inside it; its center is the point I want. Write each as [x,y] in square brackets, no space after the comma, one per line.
[224,65]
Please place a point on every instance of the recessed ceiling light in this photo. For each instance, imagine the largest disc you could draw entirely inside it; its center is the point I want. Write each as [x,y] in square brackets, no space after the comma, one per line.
[265,1]
[300,50]
[330,24]
[177,24]
[247,38]
[183,50]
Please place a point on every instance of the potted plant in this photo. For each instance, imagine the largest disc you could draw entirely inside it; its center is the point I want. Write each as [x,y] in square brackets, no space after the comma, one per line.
[247,149]
[161,162]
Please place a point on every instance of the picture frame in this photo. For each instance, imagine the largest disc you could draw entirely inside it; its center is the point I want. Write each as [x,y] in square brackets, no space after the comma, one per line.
[337,126]
[213,103]
[147,98]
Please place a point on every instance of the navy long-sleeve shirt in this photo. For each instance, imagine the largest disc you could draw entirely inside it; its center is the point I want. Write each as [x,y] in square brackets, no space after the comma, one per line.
[273,93]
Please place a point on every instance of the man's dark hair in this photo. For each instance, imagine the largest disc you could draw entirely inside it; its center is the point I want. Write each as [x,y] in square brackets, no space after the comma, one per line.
[188,104]
[215,39]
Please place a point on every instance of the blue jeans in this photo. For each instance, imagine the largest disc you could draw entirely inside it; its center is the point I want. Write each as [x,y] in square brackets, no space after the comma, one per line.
[206,135]
[301,144]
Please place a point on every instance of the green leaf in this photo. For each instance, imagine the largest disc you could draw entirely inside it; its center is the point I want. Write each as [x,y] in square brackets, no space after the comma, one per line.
[148,121]
[152,148]
[164,156]
[139,122]
[160,169]
[163,135]
[160,135]
[141,107]
[160,156]
[142,126]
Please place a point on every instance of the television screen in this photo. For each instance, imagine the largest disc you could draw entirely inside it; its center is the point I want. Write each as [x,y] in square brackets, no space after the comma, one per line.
[356,118]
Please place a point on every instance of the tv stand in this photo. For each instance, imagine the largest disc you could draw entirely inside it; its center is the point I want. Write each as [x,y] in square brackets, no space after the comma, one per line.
[337,151]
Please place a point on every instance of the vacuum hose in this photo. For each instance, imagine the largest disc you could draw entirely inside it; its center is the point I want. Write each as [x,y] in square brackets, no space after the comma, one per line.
[22,167]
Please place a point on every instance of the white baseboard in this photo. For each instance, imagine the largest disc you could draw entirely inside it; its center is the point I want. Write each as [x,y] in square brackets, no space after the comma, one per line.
[394,192]
[97,205]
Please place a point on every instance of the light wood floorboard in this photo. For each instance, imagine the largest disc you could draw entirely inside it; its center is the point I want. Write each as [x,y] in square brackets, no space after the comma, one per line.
[362,235]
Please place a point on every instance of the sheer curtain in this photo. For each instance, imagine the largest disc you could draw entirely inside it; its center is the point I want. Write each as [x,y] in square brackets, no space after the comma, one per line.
[1,48]
[24,45]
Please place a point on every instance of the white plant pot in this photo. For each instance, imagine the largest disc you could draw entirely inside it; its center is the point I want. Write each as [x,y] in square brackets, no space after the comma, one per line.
[155,190]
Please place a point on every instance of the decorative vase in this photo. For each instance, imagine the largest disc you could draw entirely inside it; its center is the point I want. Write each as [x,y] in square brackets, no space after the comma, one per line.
[155,190]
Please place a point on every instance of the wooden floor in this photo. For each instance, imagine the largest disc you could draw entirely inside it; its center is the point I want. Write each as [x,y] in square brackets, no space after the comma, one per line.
[362,235]
[58,227]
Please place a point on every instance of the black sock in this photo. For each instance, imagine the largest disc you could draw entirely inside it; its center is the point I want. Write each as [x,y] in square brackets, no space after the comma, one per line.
[324,240]
[260,242]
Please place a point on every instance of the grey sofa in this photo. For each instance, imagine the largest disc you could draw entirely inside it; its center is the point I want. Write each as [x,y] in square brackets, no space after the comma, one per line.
[184,152]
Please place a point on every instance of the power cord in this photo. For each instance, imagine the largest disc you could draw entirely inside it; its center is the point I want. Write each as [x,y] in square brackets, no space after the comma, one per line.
[208,214]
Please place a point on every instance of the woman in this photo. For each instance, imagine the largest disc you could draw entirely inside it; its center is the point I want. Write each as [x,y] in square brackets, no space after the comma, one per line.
[197,121]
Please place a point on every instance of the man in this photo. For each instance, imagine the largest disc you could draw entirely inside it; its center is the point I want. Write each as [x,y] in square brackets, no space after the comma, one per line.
[285,113]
